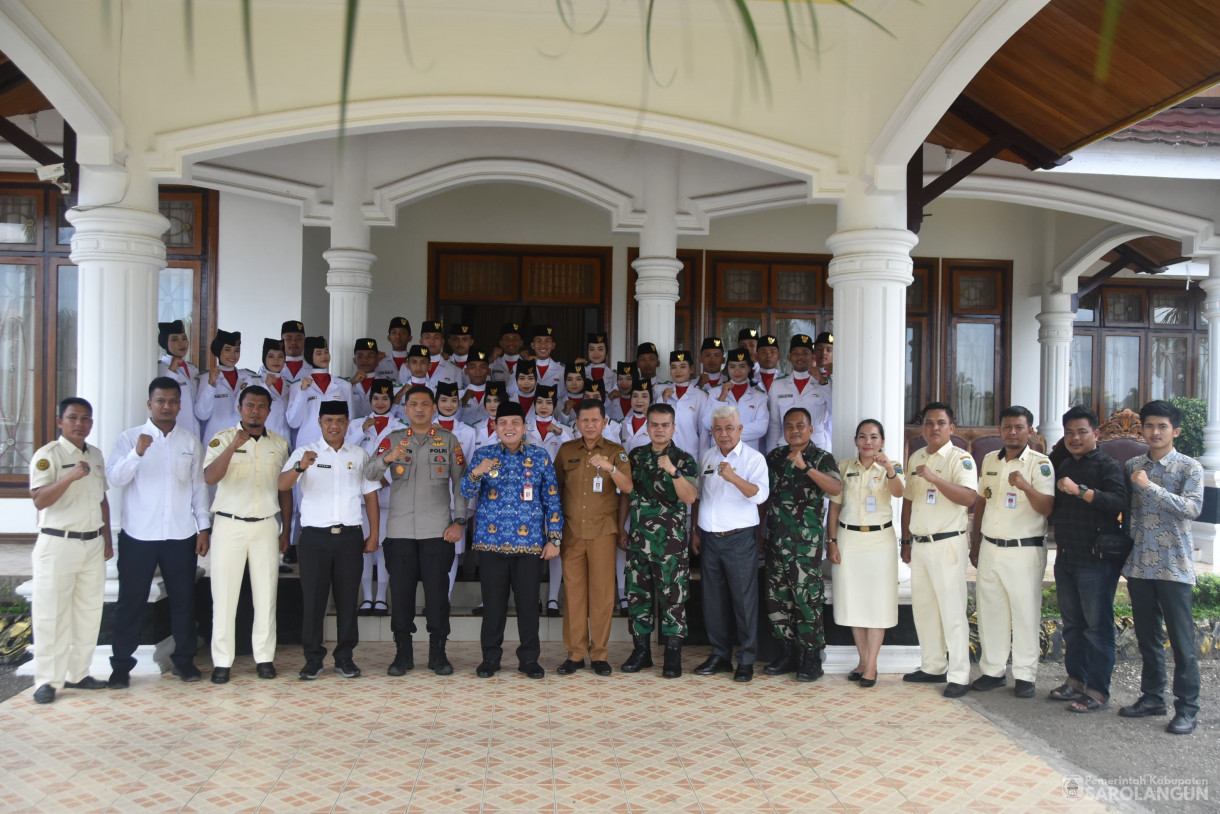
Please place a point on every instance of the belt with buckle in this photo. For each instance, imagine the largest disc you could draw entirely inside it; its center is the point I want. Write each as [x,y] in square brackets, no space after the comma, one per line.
[242,519]
[72,535]
[932,538]
[866,528]
[730,533]
[339,529]
[1024,542]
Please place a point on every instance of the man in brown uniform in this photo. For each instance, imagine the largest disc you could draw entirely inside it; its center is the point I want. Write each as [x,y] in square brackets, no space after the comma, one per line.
[591,471]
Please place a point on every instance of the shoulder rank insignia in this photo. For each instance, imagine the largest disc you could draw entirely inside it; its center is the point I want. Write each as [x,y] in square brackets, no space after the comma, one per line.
[1045,470]
[43,464]
[458,456]
[215,442]
[967,463]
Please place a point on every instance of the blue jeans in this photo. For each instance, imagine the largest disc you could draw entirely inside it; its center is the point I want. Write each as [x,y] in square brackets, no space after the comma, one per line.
[730,592]
[1086,605]
[1154,601]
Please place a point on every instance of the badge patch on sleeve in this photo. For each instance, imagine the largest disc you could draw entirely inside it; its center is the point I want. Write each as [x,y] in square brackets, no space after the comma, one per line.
[967,464]
[1045,470]
[43,465]
[215,442]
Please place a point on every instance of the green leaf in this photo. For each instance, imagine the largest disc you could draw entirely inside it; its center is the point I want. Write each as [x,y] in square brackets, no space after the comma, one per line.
[248,36]
[349,47]
[1105,44]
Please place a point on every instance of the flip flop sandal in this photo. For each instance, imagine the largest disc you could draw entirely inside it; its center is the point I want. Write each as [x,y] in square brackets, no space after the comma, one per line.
[1087,703]
[1064,692]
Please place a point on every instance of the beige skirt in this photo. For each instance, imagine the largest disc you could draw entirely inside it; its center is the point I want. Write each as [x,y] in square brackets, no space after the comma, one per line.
[865,589]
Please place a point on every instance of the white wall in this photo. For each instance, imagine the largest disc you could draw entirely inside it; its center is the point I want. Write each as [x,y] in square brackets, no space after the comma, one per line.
[258,270]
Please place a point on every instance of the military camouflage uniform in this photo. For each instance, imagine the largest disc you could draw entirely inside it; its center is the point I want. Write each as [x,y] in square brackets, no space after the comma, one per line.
[658,560]
[793,551]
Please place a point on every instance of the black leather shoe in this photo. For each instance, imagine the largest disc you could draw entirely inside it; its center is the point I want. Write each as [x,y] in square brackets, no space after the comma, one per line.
[220,675]
[487,669]
[985,682]
[744,673]
[532,669]
[438,660]
[552,609]
[265,669]
[1182,724]
[856,675]
[784,664]
[713,665]
[348,669]
[404,659]
[310,671]
[119,680]
[955,690]
[44,694]
[920,677]
[810,668]
[602,668]
[641,655]
[366,608]
[86,683]
[1143,708]
[290,556]
[477,610]
[1024,689]
[868,682]
[569,666]
[187,672]
[672,667]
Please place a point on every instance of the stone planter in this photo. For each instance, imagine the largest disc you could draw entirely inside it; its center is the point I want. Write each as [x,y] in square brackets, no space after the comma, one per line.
[1207,639]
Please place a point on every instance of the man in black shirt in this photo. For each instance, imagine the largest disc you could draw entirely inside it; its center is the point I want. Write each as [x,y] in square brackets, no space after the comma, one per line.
[1090,498]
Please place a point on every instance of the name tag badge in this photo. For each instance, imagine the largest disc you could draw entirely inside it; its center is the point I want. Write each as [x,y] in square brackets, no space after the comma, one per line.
[597,485]
[527,493]
[1010,500]
[931,498]
[870,503]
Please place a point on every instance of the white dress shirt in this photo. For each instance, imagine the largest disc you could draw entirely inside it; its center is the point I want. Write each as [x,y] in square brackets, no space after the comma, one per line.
[722,506]
[333,489]
[164,496]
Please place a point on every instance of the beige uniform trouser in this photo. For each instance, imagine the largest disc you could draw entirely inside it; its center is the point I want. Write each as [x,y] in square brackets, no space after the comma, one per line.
[234,543]
[1009,598]
[69,586]
[938,605]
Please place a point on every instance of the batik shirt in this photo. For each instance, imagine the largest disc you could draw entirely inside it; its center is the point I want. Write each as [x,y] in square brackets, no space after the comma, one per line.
[505,522]
[658,515]
[1161,514]
[796,501]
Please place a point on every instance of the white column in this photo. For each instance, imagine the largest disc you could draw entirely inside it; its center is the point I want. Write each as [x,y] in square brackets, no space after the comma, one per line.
[870,272]
[1055,339]
[349,282]
[1204,534]
[657,267]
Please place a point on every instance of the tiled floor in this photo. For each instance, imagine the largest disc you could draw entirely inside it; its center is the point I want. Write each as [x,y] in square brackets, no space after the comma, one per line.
[627,743]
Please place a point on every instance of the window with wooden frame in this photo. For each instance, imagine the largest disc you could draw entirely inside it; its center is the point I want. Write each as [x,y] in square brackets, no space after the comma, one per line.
[975,312]
[920,327]
[686,309]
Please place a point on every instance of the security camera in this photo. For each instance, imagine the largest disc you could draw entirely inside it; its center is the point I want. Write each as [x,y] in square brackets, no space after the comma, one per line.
[54,173]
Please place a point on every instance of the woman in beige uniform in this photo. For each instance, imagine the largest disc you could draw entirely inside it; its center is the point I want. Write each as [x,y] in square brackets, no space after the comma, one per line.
[865,549]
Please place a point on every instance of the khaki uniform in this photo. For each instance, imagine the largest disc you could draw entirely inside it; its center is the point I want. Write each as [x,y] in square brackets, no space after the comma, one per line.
[249,493]
[590,537]
[1012,561]
[69,573]
[938,566]
[866,580]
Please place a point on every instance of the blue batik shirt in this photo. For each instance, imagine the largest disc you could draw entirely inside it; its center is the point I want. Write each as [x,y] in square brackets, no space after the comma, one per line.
[504,521]
[1161,514]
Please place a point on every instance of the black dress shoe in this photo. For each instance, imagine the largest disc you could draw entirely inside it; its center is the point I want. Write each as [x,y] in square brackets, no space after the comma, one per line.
[1182,724]
[714,664]
[744,673]
[310,671]
[365,609]
[855,675]
[86,683]
[348,669]
[569,666]
[985,682]
[220,675]
[532,669]
[119,680]
[1024,689]
[1143,708]
[487,669]
[786,663]
[868,682]
[920,677]
[477,610]
[265,669]
[187,672]
[290,556]
[955,690]
[44,694]
[552,608]
[602,668]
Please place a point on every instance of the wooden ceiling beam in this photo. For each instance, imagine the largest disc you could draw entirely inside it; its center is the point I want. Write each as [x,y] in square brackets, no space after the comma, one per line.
[1035,154]
[27,144]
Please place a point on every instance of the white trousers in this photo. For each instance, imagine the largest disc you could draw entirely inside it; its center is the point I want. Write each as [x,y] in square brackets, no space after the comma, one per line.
[69,585]
[938,605]
[1009,598]
[234,544]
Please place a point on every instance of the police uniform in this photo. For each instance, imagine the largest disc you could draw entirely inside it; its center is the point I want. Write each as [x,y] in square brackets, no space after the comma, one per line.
[183,374]
[422,486]
[216,402]
[245,531]
[866,580]
[590,540]
[304,402]
[1012,562]
[938,562]
[69,564]
[799,390]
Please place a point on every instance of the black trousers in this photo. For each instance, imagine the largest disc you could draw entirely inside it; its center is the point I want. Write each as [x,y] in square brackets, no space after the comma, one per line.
[138,561]
[497,573]
[330,562]
[408,563]
[1157,601]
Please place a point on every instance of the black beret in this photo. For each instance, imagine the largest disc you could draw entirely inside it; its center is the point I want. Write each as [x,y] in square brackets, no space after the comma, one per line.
[594,386]
[542,330]
[459,330]
[525,367]
[800,341]
[510,328]
[740,355]
[595,339]
[825,338]
[747,333]
[432,326]
[478,356]
[641,386]
[497,389]
[768,341]
[382,387]
[313,343]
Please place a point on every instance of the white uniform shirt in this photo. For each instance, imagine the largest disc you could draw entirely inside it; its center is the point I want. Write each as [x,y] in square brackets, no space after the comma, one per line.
[812,396]
[362,402]
[722,506]
[755,416]
[303,407]
[555,374]
[688,415]
[216,404]
[304,370]
[277,419]
[375,443]
[630,437]
[164,496]
[392,366]
[443,371]
[504,370]
[462,431]
[472,412]
[80,506]
[333,489]
[617,409]
[551,442]
[185,377]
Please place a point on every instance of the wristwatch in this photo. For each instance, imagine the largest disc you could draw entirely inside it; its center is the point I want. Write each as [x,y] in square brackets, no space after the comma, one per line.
[1082,491]
[297,467]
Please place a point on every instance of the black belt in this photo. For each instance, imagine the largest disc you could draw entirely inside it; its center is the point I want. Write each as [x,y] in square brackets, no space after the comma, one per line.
[728,533]
[72,535]
[335,529]
[1024,542]
[932,538]
[866,528]
[242,519]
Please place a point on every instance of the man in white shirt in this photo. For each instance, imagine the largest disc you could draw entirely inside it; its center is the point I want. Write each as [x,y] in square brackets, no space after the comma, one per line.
[333,487]
[440,369]
[166,525]
[399,338]
[733,483]
[476,373]
[504,364]
[711,359]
